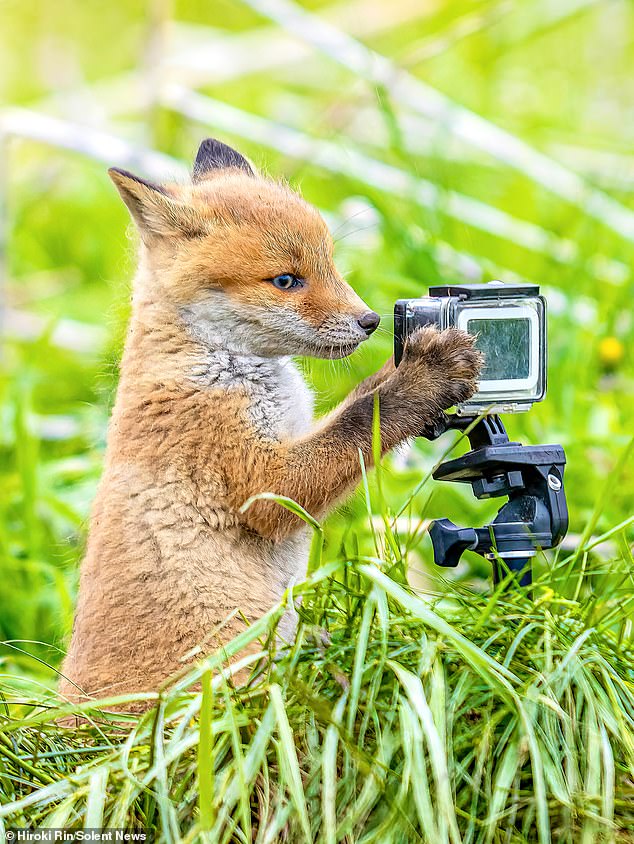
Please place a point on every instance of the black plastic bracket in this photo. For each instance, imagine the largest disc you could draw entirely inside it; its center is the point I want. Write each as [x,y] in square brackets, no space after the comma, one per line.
[536,513]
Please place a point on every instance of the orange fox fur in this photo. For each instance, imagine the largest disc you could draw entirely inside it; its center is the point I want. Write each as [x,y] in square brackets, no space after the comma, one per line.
[211,410]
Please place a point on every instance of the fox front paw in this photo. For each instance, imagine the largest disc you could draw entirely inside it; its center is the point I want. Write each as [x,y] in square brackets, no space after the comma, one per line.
[446,363]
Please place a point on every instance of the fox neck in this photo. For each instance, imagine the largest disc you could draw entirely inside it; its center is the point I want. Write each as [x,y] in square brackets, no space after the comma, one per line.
[220,328]
[162,355]
[185,347]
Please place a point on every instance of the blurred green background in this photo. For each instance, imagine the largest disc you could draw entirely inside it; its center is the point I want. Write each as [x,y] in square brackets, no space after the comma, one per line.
[442,141]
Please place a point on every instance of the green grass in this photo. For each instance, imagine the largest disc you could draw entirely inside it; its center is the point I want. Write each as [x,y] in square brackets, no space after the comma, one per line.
[442,714]
[390,718]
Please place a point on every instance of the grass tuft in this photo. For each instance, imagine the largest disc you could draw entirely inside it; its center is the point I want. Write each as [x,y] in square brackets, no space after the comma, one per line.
[392,717]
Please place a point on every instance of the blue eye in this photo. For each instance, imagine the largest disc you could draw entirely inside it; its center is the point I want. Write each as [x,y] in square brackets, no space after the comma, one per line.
[286,281]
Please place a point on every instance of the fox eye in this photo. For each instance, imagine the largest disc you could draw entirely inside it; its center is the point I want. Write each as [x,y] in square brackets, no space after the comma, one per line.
[286,281]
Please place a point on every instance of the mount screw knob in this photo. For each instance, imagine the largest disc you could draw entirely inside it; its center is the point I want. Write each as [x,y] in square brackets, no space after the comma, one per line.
[554,482]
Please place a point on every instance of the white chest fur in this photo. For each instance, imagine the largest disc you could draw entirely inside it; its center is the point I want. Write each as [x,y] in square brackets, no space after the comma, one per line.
[280,403]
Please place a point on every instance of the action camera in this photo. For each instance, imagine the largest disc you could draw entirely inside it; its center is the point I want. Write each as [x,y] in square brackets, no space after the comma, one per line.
[509,323]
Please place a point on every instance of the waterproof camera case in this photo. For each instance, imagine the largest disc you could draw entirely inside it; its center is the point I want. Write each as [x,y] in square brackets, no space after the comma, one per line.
[509,322]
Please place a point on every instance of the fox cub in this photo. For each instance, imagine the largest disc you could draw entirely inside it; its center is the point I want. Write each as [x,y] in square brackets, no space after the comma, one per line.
[235,277]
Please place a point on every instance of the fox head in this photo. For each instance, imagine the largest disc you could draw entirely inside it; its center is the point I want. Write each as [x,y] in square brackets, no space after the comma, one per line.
[244,261]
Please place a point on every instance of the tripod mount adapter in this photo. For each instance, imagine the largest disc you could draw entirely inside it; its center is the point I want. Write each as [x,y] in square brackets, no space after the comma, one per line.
[535,515]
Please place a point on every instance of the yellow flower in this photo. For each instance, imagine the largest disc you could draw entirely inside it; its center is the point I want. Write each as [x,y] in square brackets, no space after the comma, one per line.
[611,351]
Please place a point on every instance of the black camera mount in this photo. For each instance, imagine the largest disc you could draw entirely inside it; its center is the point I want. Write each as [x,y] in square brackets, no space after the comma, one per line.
[535,515]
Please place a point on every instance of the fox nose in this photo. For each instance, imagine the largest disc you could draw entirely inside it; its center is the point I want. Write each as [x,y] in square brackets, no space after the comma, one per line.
[369,322]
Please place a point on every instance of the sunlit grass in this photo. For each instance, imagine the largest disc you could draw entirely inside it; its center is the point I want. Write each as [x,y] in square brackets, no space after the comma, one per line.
[390,718]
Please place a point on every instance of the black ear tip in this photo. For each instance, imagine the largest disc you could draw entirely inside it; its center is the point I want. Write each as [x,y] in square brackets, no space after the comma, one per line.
[216,155]
[210,150]
[206,147]
[119,176]
[209,144]
[117,172]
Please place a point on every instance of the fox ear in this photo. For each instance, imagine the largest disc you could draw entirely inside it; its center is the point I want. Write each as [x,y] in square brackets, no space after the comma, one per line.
[156,213]
[213,155]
